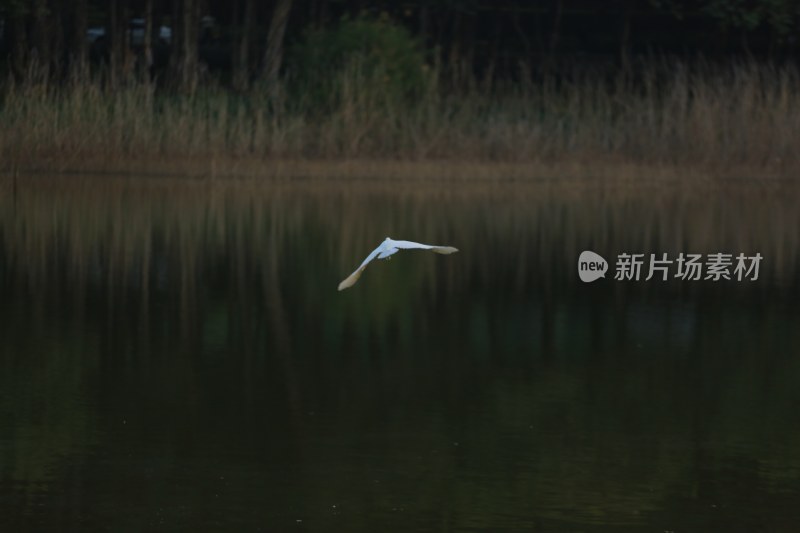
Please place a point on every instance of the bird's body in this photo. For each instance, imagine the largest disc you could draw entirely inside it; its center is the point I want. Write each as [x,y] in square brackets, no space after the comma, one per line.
[390,247]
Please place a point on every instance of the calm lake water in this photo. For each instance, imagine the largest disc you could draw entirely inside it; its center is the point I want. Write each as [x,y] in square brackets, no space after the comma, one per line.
[174,355]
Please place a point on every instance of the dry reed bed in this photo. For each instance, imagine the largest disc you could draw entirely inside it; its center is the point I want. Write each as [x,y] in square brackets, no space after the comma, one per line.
[714,119]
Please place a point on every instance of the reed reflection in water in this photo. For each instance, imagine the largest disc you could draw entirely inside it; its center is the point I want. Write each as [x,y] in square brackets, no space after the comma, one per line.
[176,354]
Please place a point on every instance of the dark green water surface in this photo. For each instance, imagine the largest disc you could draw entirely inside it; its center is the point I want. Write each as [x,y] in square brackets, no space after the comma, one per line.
[174,356]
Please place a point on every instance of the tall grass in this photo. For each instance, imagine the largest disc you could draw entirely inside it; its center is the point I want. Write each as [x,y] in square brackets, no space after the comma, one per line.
[719,118]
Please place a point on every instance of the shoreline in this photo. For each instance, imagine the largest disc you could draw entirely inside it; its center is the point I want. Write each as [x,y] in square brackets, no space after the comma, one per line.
[384,169]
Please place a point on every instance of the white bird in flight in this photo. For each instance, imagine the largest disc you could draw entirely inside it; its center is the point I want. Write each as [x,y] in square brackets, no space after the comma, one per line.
[390,247]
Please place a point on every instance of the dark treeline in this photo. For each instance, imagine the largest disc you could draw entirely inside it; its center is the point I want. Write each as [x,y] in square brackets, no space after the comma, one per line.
[238,41]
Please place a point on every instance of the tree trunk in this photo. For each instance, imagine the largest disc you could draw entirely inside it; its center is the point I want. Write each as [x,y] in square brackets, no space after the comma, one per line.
[184,58]
[175,43]
[241,63]
[468,46]
[111,40]
[128,58]
[273,55]
[625,39]
[79,48]
[526,43]
[492,55]
[40,37]
[188,45]
[146,67]
[554,36]
[114,40]
[59,38]
[19,53]
[455,60]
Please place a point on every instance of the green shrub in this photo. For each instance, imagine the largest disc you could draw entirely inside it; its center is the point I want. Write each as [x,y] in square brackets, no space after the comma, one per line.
[374,56]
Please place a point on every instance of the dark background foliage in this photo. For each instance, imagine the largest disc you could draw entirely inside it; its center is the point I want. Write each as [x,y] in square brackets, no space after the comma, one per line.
[240,41]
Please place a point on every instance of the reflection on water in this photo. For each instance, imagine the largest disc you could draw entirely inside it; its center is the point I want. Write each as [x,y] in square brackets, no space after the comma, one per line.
[175,355]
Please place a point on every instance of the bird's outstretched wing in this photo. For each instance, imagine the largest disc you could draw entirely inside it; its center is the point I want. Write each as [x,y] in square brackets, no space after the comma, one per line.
[352,278]
[410,245]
